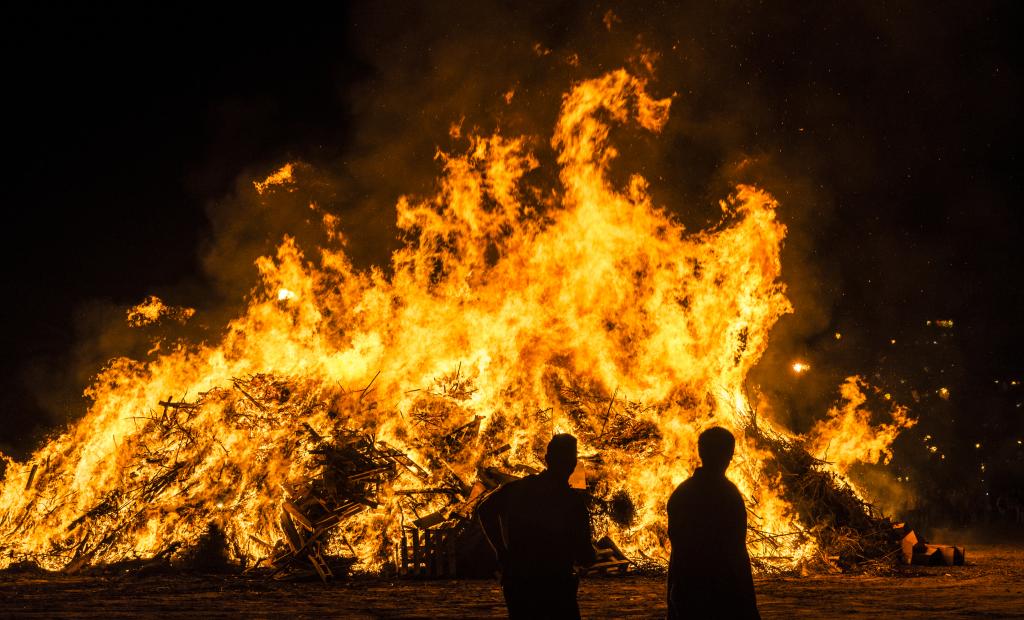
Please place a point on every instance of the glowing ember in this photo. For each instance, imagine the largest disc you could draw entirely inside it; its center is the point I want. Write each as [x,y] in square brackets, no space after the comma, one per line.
[593,312]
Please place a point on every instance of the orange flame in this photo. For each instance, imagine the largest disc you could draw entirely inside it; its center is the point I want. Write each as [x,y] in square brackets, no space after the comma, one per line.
[593,313]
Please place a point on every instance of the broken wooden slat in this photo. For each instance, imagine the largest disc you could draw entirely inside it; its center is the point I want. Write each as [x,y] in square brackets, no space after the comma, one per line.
[291,534]
[297,515]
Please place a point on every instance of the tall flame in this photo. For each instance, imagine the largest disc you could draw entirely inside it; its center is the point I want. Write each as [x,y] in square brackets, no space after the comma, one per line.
[594,312]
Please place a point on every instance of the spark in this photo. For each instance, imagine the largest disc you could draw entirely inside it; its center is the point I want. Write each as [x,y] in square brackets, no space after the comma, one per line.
[801,367]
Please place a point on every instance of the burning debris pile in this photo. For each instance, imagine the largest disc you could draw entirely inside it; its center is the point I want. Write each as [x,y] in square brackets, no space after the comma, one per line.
[845,528]
[512,311]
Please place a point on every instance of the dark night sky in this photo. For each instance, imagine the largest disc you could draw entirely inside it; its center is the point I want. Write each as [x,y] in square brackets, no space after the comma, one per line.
[888,132]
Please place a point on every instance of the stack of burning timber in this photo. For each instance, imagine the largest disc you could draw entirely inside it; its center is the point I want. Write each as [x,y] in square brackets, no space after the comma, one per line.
[293,507]
[350,473]
[849,532]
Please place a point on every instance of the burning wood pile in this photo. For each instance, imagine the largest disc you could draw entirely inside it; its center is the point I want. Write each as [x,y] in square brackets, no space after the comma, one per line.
[328,477]
[579,308]
[849,533]
[348,474]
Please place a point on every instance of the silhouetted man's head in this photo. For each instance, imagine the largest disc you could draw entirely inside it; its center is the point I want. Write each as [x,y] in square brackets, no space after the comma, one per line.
[715,447]
[561,455]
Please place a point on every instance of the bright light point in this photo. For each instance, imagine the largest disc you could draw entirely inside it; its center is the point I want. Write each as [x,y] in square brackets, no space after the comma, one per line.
[800,367]
[944,393]
[839,336]
[284,294]
[220,504]
[892,341]
[977,445]
[888,396]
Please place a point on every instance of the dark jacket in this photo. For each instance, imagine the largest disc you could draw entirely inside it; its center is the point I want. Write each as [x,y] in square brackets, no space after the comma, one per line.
[545,525]
[709,572]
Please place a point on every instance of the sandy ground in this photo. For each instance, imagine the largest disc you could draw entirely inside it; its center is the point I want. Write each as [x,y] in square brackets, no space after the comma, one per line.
[990,586]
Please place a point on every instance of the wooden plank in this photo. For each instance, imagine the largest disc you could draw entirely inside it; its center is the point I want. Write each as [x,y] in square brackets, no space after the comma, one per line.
[430,520]
[431,553]
[416,552]
[449,544]
[291,534]
[403,567]
[297,515]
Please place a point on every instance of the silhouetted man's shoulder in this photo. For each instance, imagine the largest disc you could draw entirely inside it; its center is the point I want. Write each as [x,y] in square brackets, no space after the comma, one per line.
[702,483]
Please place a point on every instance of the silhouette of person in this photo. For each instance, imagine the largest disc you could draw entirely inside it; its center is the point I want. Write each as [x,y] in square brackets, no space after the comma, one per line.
[538,526]
[709,571]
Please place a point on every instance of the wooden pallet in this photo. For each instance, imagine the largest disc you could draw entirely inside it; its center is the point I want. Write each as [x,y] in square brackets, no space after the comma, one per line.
[427,553]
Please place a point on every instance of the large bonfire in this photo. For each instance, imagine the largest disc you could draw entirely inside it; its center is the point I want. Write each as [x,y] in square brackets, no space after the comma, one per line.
[508,315]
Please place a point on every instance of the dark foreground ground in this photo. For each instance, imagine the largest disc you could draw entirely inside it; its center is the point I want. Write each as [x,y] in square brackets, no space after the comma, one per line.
[990,586]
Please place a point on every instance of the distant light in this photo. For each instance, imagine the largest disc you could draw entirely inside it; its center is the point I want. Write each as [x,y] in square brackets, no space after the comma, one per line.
[839,336]
[977,446]
[944,393]
[888,396]
[933,449]
[892,341]
[942,456]
[285,294]
[801,367]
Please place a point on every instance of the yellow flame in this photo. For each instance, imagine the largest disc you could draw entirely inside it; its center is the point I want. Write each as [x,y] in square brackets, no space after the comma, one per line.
[595,313]
[153,309]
